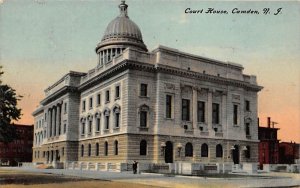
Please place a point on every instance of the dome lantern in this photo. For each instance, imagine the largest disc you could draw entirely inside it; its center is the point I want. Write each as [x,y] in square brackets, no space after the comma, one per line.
[120,34]
[123,8]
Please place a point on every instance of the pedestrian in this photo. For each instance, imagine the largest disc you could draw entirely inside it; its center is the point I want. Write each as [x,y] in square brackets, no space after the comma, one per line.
[134,167]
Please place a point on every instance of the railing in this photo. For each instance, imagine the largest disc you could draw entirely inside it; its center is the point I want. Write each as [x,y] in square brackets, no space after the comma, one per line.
[74,165]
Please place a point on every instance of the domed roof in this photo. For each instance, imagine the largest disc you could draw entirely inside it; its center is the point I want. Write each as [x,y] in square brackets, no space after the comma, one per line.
[122,31]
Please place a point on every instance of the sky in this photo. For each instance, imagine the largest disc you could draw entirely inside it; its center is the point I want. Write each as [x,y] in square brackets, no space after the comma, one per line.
[41,40]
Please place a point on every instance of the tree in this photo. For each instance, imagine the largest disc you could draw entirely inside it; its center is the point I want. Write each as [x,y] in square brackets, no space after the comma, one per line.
[8,111]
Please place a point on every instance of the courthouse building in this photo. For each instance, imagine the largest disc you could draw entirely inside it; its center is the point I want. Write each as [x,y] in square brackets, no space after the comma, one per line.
[159,106]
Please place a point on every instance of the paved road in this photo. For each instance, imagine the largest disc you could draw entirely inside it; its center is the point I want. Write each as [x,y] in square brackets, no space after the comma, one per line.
[272,179]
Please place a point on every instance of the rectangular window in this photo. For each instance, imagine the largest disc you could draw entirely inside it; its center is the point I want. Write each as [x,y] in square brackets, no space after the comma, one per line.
[247,129]
[117,121]
[247,105]
[107,96]
[117,92]
[91,103]
[65,108]
[235,114]
[107,122]
[168,106]
[143,91]
[65,128]
[201,111]
[215,113]
[98,100]
[90,126]
[98,124]
[185,110]
[83,105]
[143,119]
[83,128]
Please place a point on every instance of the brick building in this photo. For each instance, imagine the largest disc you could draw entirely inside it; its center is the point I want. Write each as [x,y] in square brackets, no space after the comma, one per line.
[161,106]
[268,145]
[20,150]
[289,152]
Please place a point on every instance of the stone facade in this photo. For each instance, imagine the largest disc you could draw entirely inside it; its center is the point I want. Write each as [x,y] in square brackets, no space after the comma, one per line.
[161,106]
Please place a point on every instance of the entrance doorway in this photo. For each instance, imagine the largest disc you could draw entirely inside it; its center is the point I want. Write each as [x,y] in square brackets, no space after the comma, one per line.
[169,152]
[236,155]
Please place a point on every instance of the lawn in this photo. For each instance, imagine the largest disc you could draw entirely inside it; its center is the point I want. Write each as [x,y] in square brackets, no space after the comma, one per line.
[19,179]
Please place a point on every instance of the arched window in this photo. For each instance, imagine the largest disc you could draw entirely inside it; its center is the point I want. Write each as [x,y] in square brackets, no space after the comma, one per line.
[97,149]
[219,150]
[116,147]
[105,148]
[143,147]
[247,152]
[89,150]
[82,150]
[189,150]
[204,150]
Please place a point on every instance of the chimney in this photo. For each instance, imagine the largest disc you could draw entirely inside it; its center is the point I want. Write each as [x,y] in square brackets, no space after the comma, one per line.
[269,122]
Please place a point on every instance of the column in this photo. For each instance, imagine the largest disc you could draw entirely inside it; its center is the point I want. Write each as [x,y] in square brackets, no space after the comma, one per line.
[195,104]
[53,121]
[209,109]
[58,109]
[50,123]
[224,110]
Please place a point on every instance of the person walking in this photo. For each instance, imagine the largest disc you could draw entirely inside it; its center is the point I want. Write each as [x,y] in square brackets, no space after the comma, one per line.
[134,167]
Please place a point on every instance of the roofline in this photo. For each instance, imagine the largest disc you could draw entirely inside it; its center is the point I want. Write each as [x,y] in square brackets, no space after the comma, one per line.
[71,73]
[197,57]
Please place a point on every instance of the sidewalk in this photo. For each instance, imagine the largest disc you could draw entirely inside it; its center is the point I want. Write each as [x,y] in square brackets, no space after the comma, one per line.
[273,179]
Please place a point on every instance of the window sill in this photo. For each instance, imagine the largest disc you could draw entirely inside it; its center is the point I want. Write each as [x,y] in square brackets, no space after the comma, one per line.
[143,128]
[107,102]
[189,131]
[169,119]
[219,134]
[248,136]
[117,98]
[204,133]
[146,97]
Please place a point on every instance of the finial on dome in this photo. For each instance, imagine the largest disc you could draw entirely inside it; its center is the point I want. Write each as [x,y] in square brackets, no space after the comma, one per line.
[123,8]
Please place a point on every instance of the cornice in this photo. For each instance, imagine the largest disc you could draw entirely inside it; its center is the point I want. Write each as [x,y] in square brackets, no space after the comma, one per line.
[120,67]
[159,68]
[59,93]
[207,77]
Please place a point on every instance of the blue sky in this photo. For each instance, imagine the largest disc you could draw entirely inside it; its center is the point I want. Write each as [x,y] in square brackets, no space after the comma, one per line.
[41,40]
